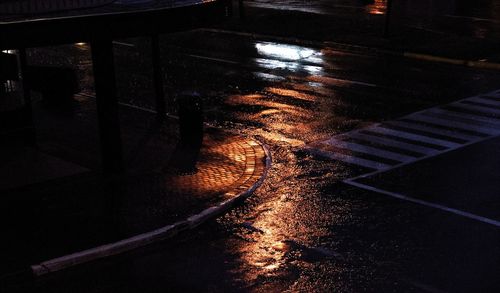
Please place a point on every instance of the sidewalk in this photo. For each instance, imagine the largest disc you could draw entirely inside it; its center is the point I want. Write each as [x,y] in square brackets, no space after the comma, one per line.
[80,211]
[360,30]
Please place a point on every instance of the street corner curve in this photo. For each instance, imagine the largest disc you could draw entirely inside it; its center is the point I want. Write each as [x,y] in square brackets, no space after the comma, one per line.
[238,195]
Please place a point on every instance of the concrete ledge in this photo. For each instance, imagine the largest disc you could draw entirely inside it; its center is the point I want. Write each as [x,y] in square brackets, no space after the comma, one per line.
[141,240]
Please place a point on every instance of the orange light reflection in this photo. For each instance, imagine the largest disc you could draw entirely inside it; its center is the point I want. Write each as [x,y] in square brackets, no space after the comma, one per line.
[378,7]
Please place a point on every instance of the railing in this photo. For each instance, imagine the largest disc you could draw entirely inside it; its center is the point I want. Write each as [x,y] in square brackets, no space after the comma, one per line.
[40,6]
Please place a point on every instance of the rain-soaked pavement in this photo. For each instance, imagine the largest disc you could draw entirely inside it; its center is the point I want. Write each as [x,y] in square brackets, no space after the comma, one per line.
[303,230]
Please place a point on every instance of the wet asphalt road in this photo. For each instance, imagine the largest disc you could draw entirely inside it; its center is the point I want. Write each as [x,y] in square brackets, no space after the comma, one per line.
[302,230]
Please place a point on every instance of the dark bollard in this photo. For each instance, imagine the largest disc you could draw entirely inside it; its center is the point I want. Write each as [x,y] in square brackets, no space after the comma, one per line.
[56,84]
[190,120]
[190,114]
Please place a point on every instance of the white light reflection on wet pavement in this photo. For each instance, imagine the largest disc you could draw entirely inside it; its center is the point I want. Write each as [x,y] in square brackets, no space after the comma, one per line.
[275,241]
[292,233]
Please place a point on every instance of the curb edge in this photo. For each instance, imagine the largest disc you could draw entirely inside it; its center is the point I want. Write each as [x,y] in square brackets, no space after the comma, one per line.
[144,239]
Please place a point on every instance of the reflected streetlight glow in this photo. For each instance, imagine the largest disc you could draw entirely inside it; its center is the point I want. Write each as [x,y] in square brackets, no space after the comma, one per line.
[283,51]
[378,7]
[289,57]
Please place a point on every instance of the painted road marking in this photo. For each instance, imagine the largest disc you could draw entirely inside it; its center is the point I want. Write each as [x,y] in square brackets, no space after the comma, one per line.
[123,44]
[349,159]
[368,150]
[473,125]
[478,120]
[472,18]
[271,64]
[456,125]
[425,203]
[430,129]
[493,98]
[429,132]
[212,59]
[392,143]
[486,101]
[474,108]
[410,136]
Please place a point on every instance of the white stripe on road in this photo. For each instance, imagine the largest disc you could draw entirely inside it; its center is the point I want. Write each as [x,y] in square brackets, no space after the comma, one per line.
[426,203]
[123,44]
[368,150]
[212,59]
[481,104]
[430,129]
[486,110]
[472,18]
[457,122]
[438,119]
[452,126]
[337,81]
[465,118]
[486,101]
[349,159]
[419,138]
[317,78]
[437,126]
[386,141]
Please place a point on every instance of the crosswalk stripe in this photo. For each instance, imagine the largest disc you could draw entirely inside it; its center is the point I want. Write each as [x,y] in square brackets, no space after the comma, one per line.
[465,118]
[495,98]
[431,129]
[380,129]
[483,100]
[442,119]
[420,118]
[493,95]
[368,150]
[479,104]
[421,132]
[487,111]
[350,159]
[417,136]
[393,143]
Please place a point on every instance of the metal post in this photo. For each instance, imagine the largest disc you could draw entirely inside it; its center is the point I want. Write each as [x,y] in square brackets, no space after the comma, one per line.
[388,15]
[158,78]
[107,105]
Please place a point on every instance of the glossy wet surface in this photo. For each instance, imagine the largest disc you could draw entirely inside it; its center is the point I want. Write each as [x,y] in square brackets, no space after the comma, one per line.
[303,230]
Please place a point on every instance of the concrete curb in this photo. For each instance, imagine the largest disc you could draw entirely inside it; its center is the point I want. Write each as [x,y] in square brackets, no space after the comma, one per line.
[365,49]
[141,240]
